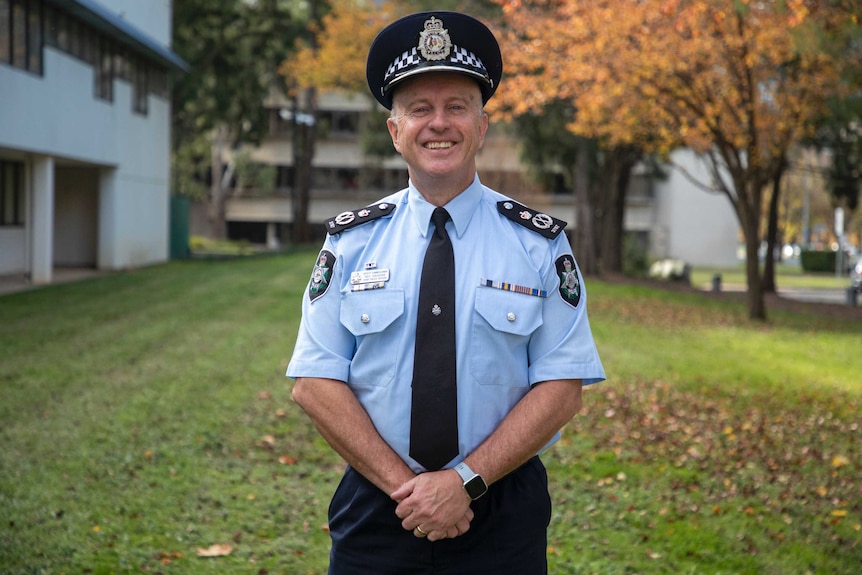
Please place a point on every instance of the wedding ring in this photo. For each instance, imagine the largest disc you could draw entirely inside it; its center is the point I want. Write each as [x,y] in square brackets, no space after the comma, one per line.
[419,529]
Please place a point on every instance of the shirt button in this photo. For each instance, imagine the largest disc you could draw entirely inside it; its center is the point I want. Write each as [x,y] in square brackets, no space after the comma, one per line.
[365,318]
[510,316]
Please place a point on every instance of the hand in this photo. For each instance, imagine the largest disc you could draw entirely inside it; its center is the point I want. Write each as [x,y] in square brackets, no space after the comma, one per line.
[436,502]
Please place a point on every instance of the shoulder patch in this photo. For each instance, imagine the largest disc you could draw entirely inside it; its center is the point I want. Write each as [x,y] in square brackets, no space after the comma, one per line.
[347,220]
[538,222]
[570,282]
[321,275]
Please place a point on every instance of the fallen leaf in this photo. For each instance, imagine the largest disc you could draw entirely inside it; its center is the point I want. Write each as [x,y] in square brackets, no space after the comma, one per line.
[839,513]
[287,460]
[215,551]
[264,395]
[839,461]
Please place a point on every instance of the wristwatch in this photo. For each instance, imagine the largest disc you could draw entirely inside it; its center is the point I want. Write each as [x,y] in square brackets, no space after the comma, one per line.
[474,485]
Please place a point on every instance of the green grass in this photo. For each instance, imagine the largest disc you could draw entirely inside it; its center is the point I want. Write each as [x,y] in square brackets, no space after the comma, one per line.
[145,415]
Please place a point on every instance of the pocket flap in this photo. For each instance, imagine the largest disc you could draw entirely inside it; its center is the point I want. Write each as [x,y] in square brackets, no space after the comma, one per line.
[371,311]
[509,312]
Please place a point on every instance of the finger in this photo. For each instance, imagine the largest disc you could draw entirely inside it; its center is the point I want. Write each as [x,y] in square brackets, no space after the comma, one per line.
[418,532]
[436,535]
[463,526]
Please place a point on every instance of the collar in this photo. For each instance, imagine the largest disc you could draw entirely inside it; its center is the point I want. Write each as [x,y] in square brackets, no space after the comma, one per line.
[461,208]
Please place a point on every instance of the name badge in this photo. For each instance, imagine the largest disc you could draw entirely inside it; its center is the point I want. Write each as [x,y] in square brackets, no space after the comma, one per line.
[372,276]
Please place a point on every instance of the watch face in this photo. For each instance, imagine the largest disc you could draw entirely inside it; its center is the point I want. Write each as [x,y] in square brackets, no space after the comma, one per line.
[476,487]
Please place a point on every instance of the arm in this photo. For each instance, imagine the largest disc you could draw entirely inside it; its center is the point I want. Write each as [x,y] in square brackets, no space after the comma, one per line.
[527,428]
[433,499]
[345,425]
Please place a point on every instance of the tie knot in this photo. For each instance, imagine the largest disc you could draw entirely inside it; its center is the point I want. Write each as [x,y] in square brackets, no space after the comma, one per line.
[440,217]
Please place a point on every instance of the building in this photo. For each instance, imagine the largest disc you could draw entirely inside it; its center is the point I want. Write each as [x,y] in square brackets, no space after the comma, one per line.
[85,120]
[668,218]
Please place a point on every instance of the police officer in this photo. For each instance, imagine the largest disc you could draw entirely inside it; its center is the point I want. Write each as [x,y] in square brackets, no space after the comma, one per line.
[441,430]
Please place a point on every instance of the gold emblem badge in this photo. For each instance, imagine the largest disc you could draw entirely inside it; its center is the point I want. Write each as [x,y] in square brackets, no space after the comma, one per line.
[434,41]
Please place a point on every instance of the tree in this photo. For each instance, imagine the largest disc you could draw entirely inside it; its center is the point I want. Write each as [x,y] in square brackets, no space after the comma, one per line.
[736,82]
[233,48]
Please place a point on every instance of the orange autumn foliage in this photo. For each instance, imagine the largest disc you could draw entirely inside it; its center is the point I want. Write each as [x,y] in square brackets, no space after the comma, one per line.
[669,73]
[337,62]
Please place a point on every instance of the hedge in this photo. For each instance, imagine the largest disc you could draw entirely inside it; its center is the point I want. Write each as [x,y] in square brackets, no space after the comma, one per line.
[818,261]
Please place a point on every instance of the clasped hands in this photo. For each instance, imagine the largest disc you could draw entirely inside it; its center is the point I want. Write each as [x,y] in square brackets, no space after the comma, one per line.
[434,505]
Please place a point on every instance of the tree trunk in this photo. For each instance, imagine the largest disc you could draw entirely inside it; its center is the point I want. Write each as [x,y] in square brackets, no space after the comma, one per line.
[303,154]
[749,217]
[218,197]
[772,232]
[619,163]
[584,244]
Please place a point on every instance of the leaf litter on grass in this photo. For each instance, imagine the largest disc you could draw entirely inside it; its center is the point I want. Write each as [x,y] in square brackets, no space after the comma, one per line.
[661,454]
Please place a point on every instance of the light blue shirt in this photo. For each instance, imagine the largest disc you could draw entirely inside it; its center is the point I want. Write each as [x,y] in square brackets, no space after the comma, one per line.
[506,341]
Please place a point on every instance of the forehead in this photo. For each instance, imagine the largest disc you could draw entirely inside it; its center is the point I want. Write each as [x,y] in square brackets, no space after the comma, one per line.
[435,84]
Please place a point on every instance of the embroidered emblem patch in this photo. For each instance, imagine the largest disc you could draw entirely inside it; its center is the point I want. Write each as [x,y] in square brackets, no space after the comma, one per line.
[321,276]
[570,283]
[540,223]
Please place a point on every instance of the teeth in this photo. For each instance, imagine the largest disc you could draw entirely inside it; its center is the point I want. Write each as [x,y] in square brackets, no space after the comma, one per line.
[438,145]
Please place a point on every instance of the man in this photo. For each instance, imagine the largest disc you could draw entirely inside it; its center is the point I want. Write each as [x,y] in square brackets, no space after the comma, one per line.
[441,351]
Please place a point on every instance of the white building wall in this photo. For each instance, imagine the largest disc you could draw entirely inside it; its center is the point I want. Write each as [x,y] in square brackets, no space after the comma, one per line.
[692,224]
[58,115]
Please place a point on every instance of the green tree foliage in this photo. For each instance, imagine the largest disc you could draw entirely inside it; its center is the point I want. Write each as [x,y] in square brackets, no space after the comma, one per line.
[234,48]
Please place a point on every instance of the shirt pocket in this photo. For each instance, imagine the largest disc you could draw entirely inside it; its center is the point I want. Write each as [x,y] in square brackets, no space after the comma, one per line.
[373,318]
[503,323]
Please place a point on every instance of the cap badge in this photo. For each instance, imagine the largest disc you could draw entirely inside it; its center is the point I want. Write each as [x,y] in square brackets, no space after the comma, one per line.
[434,41]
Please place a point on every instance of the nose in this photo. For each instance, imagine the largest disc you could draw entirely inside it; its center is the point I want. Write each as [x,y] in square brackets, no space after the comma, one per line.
[439,119]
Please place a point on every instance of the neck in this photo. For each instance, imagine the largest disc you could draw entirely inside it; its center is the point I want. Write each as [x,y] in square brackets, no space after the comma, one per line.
[439,191]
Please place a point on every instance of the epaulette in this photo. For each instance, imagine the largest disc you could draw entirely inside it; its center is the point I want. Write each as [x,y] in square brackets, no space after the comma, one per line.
[347,220]
[543,224]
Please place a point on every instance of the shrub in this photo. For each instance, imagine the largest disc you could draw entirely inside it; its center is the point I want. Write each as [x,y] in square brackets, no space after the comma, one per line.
[817,261]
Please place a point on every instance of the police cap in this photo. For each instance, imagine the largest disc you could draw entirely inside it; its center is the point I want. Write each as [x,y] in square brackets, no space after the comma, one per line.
[433,42]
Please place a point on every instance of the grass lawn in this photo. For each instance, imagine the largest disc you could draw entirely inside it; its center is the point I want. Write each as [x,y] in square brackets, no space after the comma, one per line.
[787,276]
[145,416]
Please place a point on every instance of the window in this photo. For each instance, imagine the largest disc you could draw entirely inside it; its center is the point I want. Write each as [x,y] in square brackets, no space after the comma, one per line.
[5,32]
[139,86]
[21,34]
[34,37]
[104,77]
[11,194]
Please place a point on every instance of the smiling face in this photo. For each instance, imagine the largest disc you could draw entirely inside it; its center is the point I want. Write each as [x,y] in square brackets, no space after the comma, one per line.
[438,126]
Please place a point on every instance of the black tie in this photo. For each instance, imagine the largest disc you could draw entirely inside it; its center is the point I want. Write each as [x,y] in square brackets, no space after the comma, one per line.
[434,415]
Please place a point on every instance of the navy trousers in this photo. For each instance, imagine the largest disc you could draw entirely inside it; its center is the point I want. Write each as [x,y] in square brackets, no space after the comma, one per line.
[508,534]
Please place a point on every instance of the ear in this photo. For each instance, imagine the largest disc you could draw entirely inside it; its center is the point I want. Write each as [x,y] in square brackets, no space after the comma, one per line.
[483,129]
[392,125]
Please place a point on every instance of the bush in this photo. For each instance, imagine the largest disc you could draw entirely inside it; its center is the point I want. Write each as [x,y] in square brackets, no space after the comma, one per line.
[817,261]
[671,269]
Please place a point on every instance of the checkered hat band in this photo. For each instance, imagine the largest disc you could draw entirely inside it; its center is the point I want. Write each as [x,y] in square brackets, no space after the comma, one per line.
[412,58]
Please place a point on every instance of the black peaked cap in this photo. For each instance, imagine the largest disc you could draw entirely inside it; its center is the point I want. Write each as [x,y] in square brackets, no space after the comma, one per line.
[433,42]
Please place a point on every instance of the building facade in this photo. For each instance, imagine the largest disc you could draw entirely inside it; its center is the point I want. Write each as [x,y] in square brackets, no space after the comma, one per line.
[666,218]
[84,134]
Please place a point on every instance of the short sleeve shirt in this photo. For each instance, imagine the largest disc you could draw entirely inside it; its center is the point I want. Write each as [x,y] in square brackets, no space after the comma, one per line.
[520,313]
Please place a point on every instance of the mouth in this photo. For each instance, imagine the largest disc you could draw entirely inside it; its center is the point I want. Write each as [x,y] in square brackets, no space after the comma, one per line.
[439,145]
